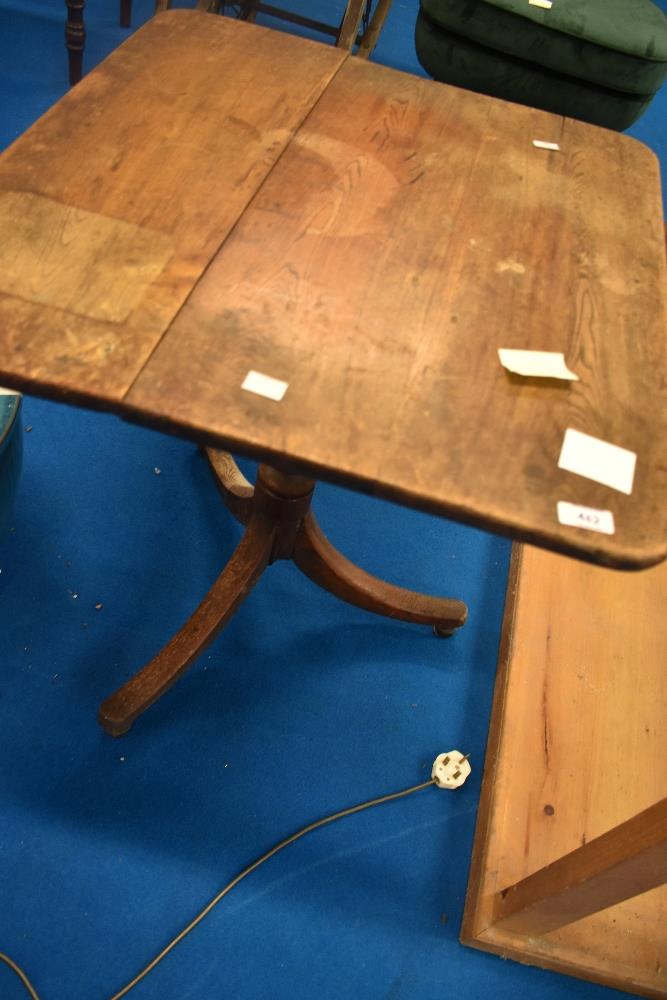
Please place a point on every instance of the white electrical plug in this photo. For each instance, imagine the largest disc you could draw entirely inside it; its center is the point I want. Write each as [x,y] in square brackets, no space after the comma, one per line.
[450,769]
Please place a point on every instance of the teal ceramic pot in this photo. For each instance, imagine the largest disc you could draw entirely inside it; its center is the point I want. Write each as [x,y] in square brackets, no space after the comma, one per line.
[11,455]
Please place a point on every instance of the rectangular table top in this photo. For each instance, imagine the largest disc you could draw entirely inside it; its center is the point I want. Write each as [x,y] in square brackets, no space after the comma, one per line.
[217,198]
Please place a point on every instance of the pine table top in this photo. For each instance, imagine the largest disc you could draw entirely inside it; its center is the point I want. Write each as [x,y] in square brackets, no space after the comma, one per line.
[217,198]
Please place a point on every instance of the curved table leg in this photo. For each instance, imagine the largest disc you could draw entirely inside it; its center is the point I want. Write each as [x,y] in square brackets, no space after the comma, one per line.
[251,557]
[236,491]
[321,562]
[279,525]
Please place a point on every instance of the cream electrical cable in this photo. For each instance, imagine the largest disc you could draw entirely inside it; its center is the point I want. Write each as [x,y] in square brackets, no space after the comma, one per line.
[449,771]
[20,973]
[265,857]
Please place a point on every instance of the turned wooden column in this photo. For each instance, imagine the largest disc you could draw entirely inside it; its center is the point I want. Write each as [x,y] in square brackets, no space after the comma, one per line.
[75,38]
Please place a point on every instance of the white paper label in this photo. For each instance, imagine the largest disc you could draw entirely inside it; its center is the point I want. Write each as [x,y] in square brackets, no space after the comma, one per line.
[264,385]
[542,144]
[542,364]
[545,4]
[598,460]
[586,517]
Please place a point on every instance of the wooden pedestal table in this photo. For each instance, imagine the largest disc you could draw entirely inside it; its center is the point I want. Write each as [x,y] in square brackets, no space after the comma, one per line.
[203,206]
[570,856]
[279,525]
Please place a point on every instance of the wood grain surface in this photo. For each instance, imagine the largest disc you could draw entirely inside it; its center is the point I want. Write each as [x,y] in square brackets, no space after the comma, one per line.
[388,255]
[626,861]
[576,747]
[47,249]
[371,238]
[127,187]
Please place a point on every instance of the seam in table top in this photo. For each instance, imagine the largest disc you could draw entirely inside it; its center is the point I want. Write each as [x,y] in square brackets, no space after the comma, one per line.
[232,229]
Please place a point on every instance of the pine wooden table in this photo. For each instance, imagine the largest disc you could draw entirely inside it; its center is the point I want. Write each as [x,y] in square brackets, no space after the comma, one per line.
[218,198]
[569,864]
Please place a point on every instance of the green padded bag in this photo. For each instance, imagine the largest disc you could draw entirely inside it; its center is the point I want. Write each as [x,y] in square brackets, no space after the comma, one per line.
[618,44]
[598,60]
[451,59]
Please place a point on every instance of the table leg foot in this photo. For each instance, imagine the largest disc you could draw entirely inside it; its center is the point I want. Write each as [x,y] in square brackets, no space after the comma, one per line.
[248,562]
[321,562]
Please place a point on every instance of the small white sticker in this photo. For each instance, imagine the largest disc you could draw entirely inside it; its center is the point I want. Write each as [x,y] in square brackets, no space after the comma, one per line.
[542,144]
[598,460]
[265,385]
[541,364]
[586,517]
[545,4]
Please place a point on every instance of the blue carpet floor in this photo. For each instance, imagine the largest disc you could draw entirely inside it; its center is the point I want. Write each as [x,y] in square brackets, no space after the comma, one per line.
[303,706]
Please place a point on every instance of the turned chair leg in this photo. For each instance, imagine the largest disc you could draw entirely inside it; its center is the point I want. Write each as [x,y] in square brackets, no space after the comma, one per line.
[75,38]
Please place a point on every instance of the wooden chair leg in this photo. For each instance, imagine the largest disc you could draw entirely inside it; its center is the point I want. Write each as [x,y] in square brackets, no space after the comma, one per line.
[247,10]
[248,562]
[372,33]
[349,27]
[125,13]
[321,562]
